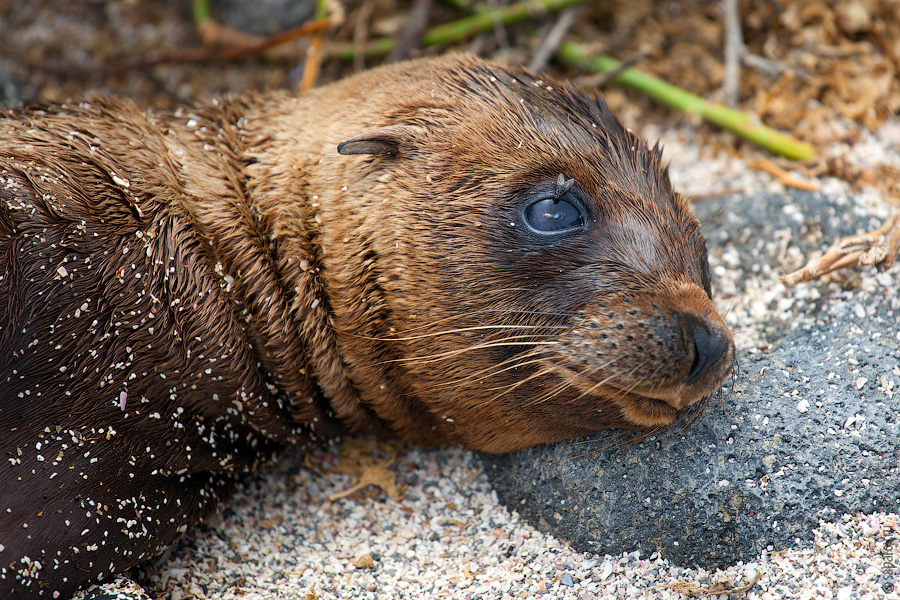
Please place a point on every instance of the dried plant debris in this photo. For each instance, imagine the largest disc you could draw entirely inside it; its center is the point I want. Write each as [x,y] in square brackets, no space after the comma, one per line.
[786,178]
[878,248]
[368,461]
[821,70]
[721,586]
[363,561]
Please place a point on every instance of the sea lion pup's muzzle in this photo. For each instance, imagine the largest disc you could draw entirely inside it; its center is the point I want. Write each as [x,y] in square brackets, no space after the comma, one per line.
[655,355]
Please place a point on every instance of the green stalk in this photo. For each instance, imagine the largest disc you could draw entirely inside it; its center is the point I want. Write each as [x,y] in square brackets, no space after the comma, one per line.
[487,20]
[733,120]
[202,11]
[462,6]
[321,9]
[466,27]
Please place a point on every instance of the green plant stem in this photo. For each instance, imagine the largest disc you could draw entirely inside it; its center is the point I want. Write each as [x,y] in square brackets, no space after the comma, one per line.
[462,6]
[202,11]
[321,9]
[733,120]
[466,27]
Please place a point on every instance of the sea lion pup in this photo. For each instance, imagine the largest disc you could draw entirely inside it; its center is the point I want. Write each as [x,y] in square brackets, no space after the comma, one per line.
[443,251]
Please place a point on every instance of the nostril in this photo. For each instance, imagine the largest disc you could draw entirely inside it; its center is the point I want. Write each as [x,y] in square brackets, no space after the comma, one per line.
[709,348]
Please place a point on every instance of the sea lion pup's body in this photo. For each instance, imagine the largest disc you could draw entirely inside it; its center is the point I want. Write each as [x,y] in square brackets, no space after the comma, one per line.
[491,260]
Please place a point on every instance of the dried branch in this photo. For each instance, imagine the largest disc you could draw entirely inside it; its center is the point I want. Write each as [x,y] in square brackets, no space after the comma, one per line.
[734,47]
[553,39]
[411,36]
[877,247]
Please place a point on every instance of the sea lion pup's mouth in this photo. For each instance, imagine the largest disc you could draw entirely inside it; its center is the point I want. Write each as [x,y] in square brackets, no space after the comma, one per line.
[653,357]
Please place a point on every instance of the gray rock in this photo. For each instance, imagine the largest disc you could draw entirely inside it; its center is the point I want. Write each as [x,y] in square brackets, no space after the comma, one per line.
[809,432]
[264,17]
[12,88]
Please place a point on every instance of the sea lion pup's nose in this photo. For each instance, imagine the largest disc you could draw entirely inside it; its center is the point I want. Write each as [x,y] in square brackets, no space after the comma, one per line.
[712,345]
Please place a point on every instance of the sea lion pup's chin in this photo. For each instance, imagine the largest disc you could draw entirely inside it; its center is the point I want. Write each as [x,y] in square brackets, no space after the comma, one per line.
[535,274]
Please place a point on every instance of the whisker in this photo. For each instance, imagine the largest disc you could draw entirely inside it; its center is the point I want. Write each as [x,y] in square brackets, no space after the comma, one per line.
[613,443]
[459,330]
[730,306]
[563,384]
[487,374]
[541,354]
[585,375]
[517,385]
[618,391]
[620,438]
[505,312]
[451,353]
[513,362]
[630,389]
[695,412]
[489,311]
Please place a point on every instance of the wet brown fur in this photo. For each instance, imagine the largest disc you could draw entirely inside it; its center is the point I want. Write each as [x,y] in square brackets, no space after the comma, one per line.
[182,293]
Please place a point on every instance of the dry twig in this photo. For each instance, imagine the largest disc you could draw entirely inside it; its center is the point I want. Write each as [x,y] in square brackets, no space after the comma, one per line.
[313,63]
[411,37]
[719,588]
[734,47]
[361,34]
[553,39]
[784,177]
[877,247]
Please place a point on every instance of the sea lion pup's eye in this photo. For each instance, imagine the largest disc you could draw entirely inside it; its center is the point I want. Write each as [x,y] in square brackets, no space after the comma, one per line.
[552,214]
[555,213]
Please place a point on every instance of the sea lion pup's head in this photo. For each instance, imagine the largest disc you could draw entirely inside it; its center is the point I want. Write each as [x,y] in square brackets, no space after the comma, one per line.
[534,277]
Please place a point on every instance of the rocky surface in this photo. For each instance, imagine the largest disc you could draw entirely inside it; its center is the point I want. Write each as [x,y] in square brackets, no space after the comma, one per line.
[263,17]
[808,433]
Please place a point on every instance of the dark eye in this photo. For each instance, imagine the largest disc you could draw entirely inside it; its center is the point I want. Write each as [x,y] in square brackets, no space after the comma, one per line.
[552,215]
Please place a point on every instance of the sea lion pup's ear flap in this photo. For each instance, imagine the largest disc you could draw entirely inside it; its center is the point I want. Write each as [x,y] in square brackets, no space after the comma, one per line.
[386,141]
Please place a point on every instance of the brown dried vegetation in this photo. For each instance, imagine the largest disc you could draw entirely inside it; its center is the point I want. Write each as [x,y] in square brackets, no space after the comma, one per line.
[818,69]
